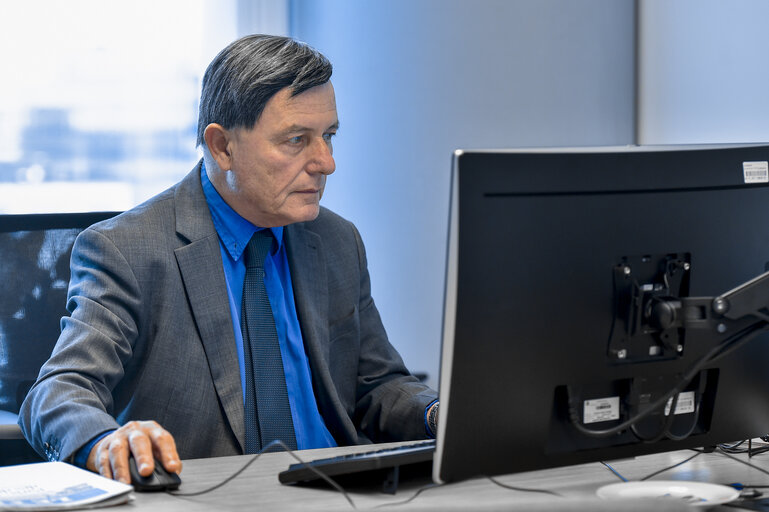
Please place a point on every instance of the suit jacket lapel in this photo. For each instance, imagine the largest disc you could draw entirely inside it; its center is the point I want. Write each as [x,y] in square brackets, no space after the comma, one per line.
[310,282]
[201,269]
[308,276]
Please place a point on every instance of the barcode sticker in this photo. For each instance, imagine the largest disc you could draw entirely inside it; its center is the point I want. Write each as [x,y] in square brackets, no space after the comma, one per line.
[600,409]
[755,172]
[684,405]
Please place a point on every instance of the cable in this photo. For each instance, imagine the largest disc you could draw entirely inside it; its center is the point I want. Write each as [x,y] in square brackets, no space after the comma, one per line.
[728,345]
[220,484]
[751,332]
[523,489]
[274,443]
[681,437]
[616,473]
[647,477]
[744,462]
[410,499]
[665,429]
[734,448]
[726,453]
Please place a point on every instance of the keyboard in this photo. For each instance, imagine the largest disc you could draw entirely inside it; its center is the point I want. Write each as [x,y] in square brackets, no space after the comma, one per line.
[417,455]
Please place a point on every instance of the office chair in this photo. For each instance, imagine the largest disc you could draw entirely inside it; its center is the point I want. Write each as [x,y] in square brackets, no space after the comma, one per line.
[34,272]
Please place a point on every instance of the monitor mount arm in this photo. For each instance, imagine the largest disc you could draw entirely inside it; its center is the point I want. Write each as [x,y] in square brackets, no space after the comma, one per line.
[741,308]
[654,315]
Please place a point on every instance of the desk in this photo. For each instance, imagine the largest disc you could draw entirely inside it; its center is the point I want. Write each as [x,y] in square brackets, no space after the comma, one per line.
[257,488]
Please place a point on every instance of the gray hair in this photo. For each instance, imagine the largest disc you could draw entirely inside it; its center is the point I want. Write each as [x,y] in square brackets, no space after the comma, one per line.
[248,72]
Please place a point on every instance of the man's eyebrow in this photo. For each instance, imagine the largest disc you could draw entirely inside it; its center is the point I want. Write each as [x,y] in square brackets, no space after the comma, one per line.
[300,128]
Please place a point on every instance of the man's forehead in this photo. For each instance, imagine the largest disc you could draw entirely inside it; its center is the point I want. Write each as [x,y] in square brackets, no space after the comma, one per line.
[320,98]
[317,104]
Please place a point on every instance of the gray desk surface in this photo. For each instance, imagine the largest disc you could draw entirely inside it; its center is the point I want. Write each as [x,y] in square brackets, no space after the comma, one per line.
[257,488]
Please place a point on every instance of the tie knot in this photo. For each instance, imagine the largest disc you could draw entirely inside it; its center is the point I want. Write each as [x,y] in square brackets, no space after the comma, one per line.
[257,248]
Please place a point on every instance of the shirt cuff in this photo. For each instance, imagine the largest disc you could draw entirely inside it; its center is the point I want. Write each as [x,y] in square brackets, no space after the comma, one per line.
[81,456]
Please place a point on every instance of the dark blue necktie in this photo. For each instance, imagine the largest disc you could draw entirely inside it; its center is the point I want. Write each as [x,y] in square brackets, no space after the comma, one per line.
[267,411]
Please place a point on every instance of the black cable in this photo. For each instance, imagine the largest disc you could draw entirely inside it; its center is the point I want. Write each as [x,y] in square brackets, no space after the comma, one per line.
[757,451]
[411,498]
[665,429]
[681,437]
[523,489]
[752,331]
[726,453]
[619,475]
[733,448]
[728,345]
[220,484]
[280,443]
[743,462]
[647,477]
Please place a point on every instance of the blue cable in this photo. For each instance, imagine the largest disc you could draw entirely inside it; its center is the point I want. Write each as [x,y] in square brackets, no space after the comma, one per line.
[615,472]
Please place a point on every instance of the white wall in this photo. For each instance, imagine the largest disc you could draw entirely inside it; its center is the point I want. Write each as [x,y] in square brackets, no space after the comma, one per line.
[703,73]
[416,80]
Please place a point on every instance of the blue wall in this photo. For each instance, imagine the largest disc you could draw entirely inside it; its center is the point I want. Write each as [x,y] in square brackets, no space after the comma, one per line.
[416,80]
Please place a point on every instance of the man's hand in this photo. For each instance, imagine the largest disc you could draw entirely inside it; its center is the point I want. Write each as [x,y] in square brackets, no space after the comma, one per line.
[145,439]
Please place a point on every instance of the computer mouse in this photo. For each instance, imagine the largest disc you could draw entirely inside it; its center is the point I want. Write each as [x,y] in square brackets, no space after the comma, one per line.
[158,480]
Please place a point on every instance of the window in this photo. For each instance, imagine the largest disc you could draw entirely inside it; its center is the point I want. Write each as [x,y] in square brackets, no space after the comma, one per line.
[99,99]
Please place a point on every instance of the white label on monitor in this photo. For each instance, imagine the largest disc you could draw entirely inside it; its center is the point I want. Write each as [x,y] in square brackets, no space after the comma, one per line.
[755,172]
[601,409]
[684,405]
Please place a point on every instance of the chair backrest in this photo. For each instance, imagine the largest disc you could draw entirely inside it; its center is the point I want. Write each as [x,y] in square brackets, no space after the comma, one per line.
[34,276]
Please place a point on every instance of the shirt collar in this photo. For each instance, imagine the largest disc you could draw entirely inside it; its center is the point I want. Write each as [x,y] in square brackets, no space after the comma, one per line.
[234,231]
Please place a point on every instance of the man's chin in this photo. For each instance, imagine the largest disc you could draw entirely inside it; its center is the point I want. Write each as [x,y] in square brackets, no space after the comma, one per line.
[312,217]
[306,215]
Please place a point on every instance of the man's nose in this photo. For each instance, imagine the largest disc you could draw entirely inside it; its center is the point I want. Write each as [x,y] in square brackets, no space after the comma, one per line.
[321,159]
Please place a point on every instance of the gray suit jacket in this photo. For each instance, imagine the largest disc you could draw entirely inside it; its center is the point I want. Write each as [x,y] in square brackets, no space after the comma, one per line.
[150,336]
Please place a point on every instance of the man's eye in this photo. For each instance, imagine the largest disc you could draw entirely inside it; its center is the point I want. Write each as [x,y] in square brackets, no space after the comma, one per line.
[328,136]
[295,140]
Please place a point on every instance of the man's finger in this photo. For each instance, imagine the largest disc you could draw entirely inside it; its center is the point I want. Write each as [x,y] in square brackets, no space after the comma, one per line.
[141,448]
[102,461]
[164,448]
[118,459]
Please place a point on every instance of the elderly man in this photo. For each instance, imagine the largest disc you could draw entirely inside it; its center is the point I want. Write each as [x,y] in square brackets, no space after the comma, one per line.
[230,310]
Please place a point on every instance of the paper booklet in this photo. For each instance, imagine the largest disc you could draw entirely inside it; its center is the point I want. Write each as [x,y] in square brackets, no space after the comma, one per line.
[57,486]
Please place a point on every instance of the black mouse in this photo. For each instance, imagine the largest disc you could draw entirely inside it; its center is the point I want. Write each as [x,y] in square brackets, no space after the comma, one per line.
[159,480]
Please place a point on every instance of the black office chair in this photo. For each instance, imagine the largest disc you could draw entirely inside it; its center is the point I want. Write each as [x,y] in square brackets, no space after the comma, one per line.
[34,275]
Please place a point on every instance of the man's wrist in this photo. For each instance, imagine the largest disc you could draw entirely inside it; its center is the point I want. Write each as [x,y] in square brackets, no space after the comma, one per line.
[81,456]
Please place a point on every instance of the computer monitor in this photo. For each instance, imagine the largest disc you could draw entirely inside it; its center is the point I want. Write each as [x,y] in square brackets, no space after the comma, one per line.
[586,294]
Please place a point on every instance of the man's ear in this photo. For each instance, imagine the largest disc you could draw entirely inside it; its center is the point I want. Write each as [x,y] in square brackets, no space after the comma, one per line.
[218,142]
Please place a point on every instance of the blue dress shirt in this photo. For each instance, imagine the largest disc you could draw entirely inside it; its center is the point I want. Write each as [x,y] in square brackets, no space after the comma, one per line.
[234,233]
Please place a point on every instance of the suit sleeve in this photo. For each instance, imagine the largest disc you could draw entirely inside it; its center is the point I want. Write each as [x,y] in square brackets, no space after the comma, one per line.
[390,402]
[71,401]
